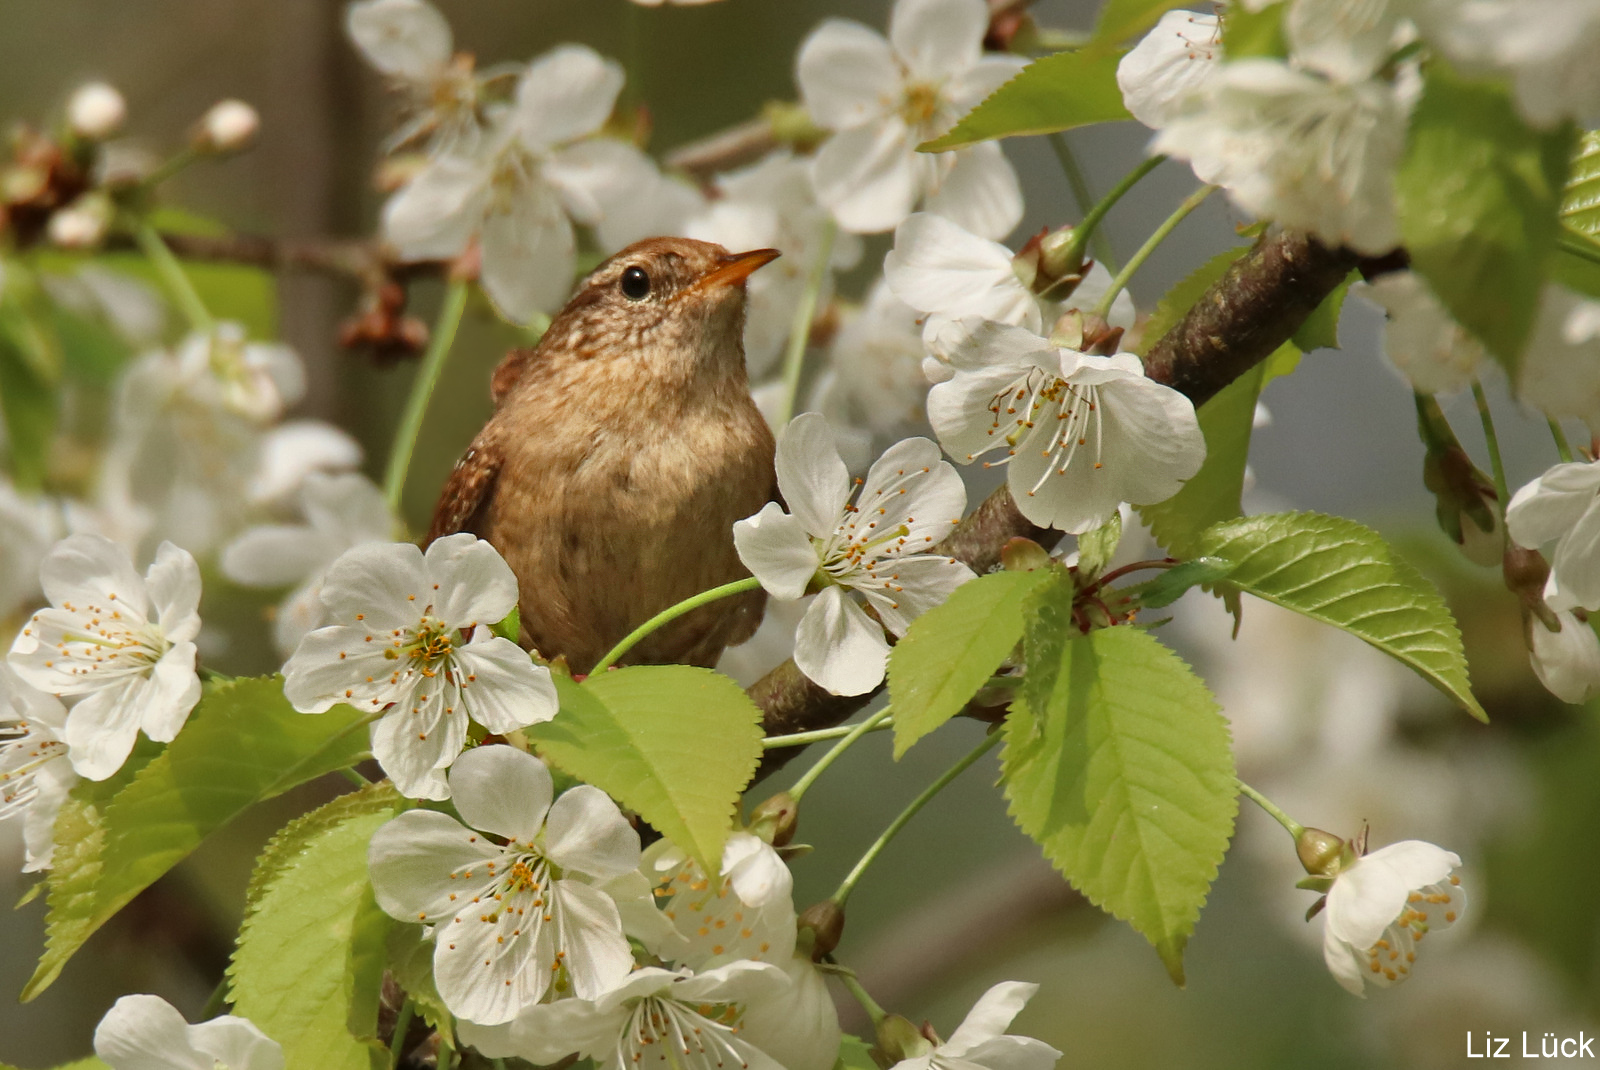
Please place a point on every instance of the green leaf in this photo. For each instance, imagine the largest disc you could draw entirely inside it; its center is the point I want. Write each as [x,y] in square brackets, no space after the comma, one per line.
[1171,309]
[91,351]
[1321,328]
[1096,548]
[952,650]
[1213,494]
[27,403]
[673,743]
[1580,197]
[854,1054]
[1122,19]
[1478,194]
[1171,584]
[1250,34]
[1124,775]
[243,743]
[411,963]
[308,969]
[1576,264]
[1344,574]
[1054,93]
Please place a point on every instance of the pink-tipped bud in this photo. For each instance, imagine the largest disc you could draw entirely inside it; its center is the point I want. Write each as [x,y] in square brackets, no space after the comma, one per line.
[230,126]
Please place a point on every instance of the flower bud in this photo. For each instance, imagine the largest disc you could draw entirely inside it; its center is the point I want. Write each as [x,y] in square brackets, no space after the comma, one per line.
[1464,498]
[822,924]
[1023,555]
[230,126]
[899,1040]
[776,819]
[96,111]
[82,224]
[1045,262]
[1322,853]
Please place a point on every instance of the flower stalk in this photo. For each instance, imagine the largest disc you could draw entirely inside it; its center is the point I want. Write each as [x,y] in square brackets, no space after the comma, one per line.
[1091,220]
[794,356]
[405,440]
[1189,204]
[672,613]
[871,723]
[174,278]
[1496,465]
[821,735]
[1293,827]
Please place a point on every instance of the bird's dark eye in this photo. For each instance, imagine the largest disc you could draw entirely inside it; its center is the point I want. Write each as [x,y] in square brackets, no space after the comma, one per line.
[635,284]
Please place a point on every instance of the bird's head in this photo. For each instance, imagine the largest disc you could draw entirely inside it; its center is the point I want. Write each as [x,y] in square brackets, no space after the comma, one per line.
[674,303]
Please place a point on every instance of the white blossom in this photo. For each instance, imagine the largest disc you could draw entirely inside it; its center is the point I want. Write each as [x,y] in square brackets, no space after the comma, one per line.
[130,307]
[654,1019]
[410,42]
[81,224]
[340,512]
[516,921]
[1171,62]
[750,916]
[879,542]
[950,274]
[537,166]
[1560,373]
[95,111]
[1298,149]
[1560,511]
[411,637]
[1567,662]
[1381,906]
[35,773]
[981,1039]
[802,1027]
[771,205]
[292,452]
[1081,433]
[874,378]
[1545,47]
[1434,353]
[1349,42]
[122,642]
[148,1033]
[26,531]
[883,97]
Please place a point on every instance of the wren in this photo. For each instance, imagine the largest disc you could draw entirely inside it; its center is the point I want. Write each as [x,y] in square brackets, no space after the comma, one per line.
[621,451]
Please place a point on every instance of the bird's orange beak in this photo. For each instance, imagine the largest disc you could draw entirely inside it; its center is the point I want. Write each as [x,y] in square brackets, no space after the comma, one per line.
[736,268]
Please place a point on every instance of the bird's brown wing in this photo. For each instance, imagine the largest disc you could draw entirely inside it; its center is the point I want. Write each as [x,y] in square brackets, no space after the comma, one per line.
[466,492]
[508,372]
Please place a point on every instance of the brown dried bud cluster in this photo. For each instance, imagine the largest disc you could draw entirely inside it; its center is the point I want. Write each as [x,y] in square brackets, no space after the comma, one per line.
[381,328]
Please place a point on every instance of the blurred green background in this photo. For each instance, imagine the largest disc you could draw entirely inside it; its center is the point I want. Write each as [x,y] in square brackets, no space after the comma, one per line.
[961,900]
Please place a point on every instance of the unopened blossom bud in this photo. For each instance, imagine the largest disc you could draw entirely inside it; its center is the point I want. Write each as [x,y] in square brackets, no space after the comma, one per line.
[1023,555]
[82,224]
[230,126]
[96,111]
[1525,572]
[823,923]
[1464,498]
[1046,262]
[775,819]
[1322,853]
[898,1039]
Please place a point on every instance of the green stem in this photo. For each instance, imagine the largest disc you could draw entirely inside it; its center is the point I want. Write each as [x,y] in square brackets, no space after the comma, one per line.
[805,739]
[1091,222]
[1189,204]
[174,278]
[1294,827]
[169,167]
[216,1002]
[1496,467]
[349,773]
[397,1042]
[794,358]
[1080,193]
[405,440]
[855,732]
[852,984]
[848,885]
[672,613]
[1563,447]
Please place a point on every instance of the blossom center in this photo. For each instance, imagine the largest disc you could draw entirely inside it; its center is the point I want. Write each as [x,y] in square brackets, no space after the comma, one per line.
[21,745]
[920,105]
[431,646]
[668,1033]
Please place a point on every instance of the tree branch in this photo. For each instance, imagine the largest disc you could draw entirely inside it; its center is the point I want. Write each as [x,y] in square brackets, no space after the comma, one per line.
[1253,309]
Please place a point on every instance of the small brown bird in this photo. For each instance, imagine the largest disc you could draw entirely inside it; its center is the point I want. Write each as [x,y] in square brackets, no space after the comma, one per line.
[621,451]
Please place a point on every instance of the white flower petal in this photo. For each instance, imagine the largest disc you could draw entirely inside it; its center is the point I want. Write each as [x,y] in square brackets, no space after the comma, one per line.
[380,582]
[501,687]
[587,834]
[1567,662]
[471,582]
[937,266]
[564,94]
[502,790]
[146,1033]
[236,1043]
[937,38]
[775,548]
[404,38]
[89,568]
[847,74]
[169,694]
[839,647]
[435,214]
[1347,42]
[919,584]
[101,729]
[415,746]
[869,176]
[1168,65]
[813,479]
[1369,895]
[412,859]
[527,249]
[1013,1053]
[274,555]
[800,1027]
[981,192]
[989,1017]
[598,957]
[173,582]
